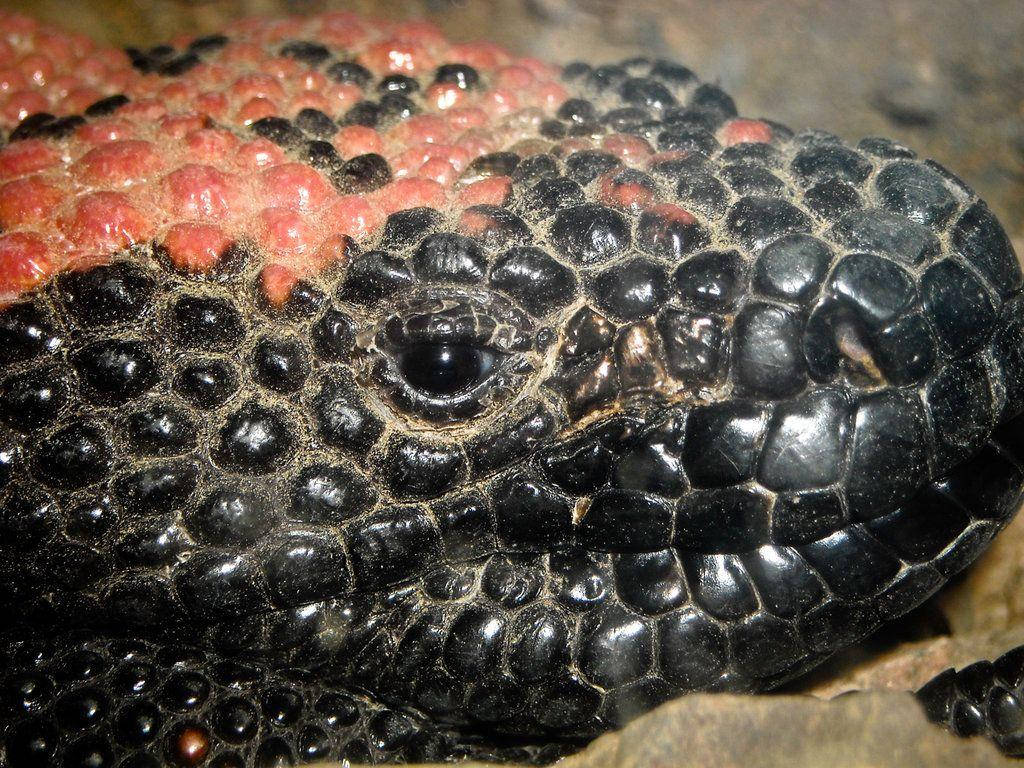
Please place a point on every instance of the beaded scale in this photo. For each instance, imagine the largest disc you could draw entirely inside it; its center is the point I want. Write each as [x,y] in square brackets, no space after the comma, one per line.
[368,396]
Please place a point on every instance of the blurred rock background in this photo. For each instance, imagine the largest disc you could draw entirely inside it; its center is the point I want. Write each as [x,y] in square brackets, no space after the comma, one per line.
[945,77]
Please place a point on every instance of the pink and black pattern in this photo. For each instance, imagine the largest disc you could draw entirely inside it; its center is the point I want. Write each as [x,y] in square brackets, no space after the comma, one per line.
[368,396]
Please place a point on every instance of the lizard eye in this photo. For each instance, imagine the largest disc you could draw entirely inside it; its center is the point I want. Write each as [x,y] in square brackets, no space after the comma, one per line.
[442,370]
[449,355]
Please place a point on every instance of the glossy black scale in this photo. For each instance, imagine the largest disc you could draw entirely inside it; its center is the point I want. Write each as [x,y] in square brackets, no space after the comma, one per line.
[534,278]
[695,344]
[958,306]
[768,358]
[138,724]
[107,294]
[324,493]
[703,191]
[693,649]
[493,164]
[236,720]
[448,257]
[979,238]
[532,169]
[878,231]
[691,134]
[530,516]
[756,221]
[616,647]
[553,129]
[651,582]
[414,468]
[711,280]
[462,75]
[207,321]
[27,330]
[397,106]
[315,123]
[106,105]
[81,709]
[670,234]
[74,456]
[805,447]
[43,125]
[322,155]
[579,468]
[497,228]
[746,179]
[727,519]
[792,268]
[407,227]
[804,516]
[32,399]
[466,526]
[915,191]
[830,161]
[551,194]
[577,111]
[474,642]
[281,363]
[631,289]
[583,580]
[160,487]
[586,165]
[510,583]
[231,517]
[278,130]
[646,92]
[152,541]
[220,586]
[116,371]
[374,276]
[348,72]
[254,438]
[342,419]
[624,520]
[160,430]
[831,198]
[362,173]
[30,517]
[888,432]
[389,545]
[206,383]
[364,113]
[539,647]
[712,99]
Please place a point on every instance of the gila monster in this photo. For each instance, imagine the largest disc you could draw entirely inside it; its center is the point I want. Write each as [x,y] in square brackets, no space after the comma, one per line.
[365,395]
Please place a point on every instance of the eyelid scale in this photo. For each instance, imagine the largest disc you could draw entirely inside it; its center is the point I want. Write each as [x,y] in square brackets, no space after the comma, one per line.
[447,315]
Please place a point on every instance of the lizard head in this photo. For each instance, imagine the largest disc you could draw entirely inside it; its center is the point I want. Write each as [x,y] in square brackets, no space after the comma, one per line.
[669,401]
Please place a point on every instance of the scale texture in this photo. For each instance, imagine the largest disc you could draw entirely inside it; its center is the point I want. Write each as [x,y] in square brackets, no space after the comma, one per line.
[368,396]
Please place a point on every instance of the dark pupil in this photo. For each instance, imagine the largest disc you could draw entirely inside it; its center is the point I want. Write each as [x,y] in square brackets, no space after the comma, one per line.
[443,369]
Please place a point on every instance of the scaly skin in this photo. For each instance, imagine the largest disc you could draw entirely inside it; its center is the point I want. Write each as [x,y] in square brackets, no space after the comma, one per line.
[366,396]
